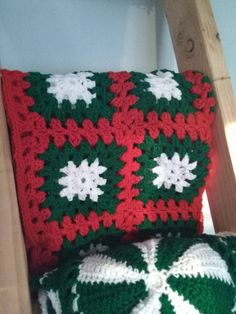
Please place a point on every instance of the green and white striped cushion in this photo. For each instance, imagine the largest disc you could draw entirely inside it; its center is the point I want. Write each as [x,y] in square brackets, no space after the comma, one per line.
[160,275]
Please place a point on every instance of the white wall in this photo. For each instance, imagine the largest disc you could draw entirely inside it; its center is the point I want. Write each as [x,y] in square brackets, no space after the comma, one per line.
[67,35]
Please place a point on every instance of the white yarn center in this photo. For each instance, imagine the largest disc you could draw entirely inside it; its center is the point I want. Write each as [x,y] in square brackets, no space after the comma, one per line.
[72,87]
[82,181]
[174,172]
[162,84]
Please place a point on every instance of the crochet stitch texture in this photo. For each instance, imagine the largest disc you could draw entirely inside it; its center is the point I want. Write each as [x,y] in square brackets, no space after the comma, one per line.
[161,276]
[106,156]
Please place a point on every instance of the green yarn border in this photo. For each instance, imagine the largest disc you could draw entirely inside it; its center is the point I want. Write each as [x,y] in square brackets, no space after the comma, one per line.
[180,227]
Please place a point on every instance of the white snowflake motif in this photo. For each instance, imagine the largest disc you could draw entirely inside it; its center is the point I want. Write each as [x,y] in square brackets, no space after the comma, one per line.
[162,84]
[72,87]
[173,172]
[199,260]
[82,181]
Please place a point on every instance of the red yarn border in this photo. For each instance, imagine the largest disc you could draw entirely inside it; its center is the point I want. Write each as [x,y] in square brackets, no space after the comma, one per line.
[31,136]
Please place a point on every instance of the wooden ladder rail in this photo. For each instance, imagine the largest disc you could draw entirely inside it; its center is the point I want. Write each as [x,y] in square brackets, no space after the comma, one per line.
[197,46]
[14,290]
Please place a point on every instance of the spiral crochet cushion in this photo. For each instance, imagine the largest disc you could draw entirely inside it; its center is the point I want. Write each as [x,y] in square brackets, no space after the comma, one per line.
[105,155]
[166,276]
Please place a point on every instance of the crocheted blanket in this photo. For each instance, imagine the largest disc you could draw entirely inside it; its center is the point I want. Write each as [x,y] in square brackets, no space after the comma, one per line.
[106,155]
[161,276]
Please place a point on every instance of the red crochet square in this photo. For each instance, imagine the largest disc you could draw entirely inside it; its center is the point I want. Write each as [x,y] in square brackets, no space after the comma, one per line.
[101,157]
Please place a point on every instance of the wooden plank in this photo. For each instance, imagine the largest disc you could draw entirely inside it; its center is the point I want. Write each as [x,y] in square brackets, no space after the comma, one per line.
[14,291]
[197,46]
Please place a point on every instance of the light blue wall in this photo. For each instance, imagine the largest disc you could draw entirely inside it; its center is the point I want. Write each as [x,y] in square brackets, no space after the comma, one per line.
[66,35]
[225,15]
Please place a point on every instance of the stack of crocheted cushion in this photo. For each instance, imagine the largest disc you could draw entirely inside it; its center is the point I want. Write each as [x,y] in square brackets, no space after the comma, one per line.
[102,156]
[166,276]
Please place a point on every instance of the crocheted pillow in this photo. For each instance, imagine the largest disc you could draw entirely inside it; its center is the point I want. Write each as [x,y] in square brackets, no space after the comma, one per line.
[169,275]
[101,154]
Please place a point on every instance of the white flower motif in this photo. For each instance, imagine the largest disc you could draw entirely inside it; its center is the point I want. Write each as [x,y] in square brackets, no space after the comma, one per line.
[199,260]
[162,84]
[82,181]
[173,172]
[72,87]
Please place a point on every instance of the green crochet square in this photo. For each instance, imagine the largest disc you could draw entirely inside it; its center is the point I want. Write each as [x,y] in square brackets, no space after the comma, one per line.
[147,100]
[46,104]
[159,155]
[60,174]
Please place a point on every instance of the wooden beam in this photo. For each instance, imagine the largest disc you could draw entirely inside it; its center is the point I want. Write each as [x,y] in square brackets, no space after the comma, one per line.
[14,290]
[197,46]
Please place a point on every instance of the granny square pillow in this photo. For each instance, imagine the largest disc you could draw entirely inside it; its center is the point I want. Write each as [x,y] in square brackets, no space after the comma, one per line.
[161,276]
[101,156]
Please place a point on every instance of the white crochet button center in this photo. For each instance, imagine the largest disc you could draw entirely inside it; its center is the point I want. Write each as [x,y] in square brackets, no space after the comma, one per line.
[155,281]
[82,181]
[72,87]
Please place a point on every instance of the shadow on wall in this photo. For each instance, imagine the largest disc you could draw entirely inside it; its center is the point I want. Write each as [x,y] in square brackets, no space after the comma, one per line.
[144,4]
[67,35]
